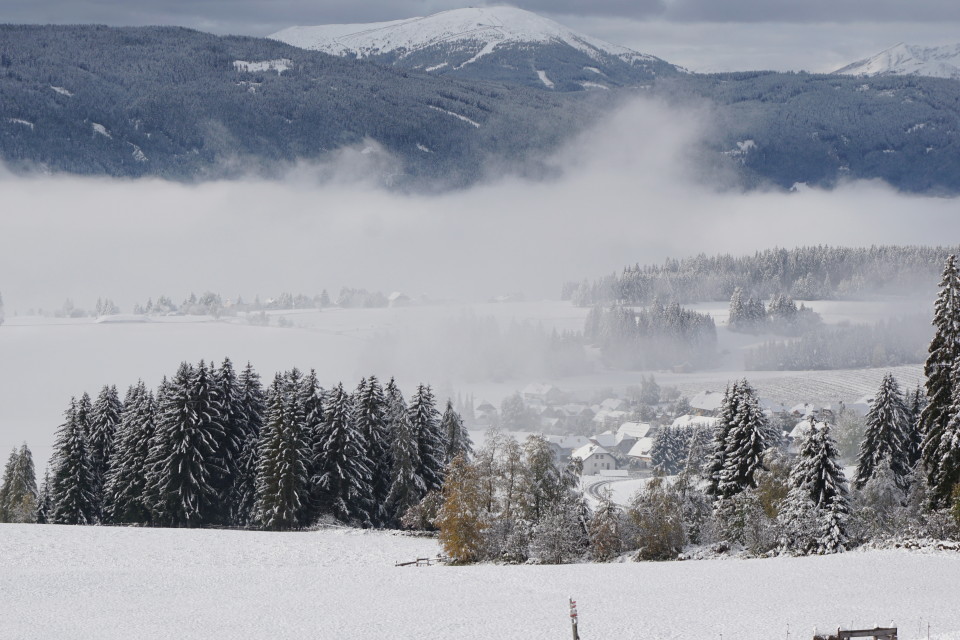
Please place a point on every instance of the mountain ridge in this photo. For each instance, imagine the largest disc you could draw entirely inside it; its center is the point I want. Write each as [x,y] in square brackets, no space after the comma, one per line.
[905,59]
[496,43]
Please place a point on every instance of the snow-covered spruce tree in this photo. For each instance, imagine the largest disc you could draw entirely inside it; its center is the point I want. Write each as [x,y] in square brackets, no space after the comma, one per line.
[104,420]
[915,402]
[941,384]
[669,450]
[948,454]
[283,483]
[253,410]
[18,490]
[714,467]
[370,416]
[344,478]
[234,419]
[462,519]
[456,435]
[737,317]
[44,501]
[125,487]
[6,483]
[749,437]
[886,437]
[407,487]
[431,441]
[182,461]
[816,510]
[72,488]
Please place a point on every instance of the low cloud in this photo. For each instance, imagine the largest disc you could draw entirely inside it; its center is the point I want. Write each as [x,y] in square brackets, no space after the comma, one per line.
[631,190]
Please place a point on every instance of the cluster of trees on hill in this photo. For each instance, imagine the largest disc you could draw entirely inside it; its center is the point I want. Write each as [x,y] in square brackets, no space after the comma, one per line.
[212,447]
[884,344]
[782,316]
[661,336]
[804,273]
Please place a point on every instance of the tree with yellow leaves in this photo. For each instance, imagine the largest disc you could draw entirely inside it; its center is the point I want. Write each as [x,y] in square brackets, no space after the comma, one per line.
[462,518]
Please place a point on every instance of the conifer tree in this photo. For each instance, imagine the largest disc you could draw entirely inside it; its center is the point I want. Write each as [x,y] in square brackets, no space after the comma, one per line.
[370,415]
[456,435]
[18,489]
[915,403]
[283,483]
[252,409]
[407,488]
[886,436]
[44,501]
[344,478]
[72,490]
[749,437]
[125,488]
[941,384]
[816,509]
[104,420]
[714,468]
[6,484]
[738,311]
[234,419]
[431,442]
[182,461]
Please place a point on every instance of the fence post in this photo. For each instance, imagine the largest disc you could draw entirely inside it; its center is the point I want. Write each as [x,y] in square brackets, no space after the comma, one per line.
[573,618]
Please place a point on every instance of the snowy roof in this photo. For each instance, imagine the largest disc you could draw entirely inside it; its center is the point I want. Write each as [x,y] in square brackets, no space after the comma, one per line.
[588,450]
[605,439]
[568,442]
[690,421]
[707,401]
[397,295]
[633,430]
[641,449]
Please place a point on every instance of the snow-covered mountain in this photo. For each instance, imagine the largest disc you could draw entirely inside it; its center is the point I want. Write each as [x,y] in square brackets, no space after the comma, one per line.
[497,43]
[909,60]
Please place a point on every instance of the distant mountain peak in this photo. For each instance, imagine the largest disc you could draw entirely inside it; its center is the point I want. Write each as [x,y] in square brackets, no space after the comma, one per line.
[457,40]
[909,60]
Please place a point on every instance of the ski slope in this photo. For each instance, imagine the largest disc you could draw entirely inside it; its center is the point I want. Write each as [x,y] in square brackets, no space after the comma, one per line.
[59,582]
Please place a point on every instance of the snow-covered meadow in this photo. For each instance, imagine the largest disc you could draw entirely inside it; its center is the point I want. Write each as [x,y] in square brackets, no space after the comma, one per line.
[110,582]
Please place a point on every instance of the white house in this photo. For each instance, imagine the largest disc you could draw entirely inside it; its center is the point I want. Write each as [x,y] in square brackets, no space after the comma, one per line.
[595,459]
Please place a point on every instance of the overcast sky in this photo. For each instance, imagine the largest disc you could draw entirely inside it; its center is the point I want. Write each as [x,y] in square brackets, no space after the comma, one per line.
[703,35]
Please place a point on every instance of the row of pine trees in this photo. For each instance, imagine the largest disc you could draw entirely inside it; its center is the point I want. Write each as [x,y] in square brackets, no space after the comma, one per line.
[211,447]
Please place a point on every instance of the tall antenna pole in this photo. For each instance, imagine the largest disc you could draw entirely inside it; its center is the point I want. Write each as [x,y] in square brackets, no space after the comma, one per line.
[573,618]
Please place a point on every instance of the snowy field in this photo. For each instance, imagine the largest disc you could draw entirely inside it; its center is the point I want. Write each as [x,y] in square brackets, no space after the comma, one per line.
[61,582]
[410,343]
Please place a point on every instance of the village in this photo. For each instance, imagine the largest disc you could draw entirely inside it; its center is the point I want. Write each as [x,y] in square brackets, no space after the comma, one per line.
[613,434]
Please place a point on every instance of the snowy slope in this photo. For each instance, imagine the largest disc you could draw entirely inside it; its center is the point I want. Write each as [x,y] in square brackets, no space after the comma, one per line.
[451,41]
[108,582]
[909,60]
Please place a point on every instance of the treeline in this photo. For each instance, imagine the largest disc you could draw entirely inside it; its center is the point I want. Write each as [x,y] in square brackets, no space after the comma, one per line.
[661,336]
[884,344]
[805,273]
[213,447]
